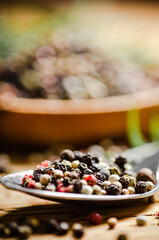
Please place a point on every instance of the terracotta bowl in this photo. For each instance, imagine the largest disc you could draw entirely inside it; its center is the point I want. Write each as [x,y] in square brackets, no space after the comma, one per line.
[43,122]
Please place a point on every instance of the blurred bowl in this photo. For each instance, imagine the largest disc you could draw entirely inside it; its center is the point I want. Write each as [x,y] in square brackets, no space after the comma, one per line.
[42,122]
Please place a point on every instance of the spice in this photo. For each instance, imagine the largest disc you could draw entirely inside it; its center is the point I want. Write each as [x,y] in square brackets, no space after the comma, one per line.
[124,181]
[113,178]
[95,218]
[146,174]
[112,222]
[113,189]
[141,220]
[91,180]
[63,228]
[87,190]
[122,236]
[45,179]
[140,187]
[77,230]
[67,155]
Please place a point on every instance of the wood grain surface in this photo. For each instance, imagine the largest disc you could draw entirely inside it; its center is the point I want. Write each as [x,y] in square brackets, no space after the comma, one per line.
[14,204]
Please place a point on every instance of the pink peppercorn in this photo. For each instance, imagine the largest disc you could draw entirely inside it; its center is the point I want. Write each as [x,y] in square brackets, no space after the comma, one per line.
[31,184]
[60,187]
[44,164]
[91,180]
[95,218]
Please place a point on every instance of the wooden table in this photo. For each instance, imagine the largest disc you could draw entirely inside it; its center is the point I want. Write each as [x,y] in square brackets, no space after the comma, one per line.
[13,204]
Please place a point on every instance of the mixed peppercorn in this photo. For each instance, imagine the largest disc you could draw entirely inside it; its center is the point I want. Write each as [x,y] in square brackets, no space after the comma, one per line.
[67,68]
[79,172]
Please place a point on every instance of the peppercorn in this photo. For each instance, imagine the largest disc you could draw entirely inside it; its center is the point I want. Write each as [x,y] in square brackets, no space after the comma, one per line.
[115,170]
[112,222]
[13,227]
[87,189]
[97,190]
[61,166]
[124,181]
[106,172]
[146,174]
[100,183]
[51,187]
[52,225]
[78,155]
[77,230]
[141,220]
[118,184]
[113,178]
[88,171]
[63,228]
[67,155]
[106,183]
[101,176]
[95,167]
[38,185]
[1,229]
[140,187]
[68,164]
[91,180]
[82,167]
[149,186]
[120,161]
[75,163]
[131,190]
[24,231]
[95,218]
[124,191]
[45,179]
[86,158]
[77,186]
[32,222]
[113,189]
[58,173]
[122,236]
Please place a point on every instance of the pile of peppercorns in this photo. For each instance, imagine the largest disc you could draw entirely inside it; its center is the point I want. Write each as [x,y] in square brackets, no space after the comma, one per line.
[67,68]
[79,172]
[23,227]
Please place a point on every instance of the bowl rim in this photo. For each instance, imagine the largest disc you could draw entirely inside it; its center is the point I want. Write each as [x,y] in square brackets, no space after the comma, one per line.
[113,104]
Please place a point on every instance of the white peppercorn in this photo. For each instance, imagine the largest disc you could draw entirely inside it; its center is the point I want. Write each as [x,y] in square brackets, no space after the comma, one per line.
[141,220]
[75,163]
[112,222]
[149,186]
[113,178]
[51,187]
[106,183]
[87,189]
[131,190]
[83,182]
[45,179]
[38,185]
[124,191]
[58,173]
[97,190]
[118,184]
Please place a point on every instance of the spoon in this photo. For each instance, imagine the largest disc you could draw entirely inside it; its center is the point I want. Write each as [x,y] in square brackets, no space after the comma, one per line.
[13,181]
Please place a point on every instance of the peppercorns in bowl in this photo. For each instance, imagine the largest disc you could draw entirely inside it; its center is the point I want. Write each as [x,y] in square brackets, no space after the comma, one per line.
[80,173]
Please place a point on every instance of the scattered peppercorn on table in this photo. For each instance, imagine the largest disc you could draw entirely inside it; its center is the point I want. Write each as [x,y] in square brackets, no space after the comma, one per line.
[15,204]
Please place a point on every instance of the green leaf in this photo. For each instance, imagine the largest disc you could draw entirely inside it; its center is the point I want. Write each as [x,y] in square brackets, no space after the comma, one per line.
[154,127]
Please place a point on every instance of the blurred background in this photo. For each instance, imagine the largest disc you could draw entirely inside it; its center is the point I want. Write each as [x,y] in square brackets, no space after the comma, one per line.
[75,74]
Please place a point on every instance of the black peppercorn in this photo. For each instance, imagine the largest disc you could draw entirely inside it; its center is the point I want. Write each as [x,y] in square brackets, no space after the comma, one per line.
[77,230]
[101,176]
[78,155]
[66,182]
[95,167]
[52,226]
[63,228]
[82,167]
[113,189]
[95,159]
[36,177]
[120,161]
[77,186]
[61,166]
[140,187]
[124,181]
[87,158]
[100,183]
[67,155]
[88,171]
[13,227]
